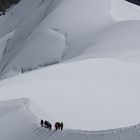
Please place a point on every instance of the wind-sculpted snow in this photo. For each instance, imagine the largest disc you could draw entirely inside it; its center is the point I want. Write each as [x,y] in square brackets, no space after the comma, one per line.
[19,123]
[51,31]
[21,46]
[47,48]
[24,29]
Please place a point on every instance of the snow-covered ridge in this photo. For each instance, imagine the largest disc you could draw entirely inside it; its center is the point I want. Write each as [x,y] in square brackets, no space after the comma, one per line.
[9,106]
[19,124]
[16,120]
[106,89]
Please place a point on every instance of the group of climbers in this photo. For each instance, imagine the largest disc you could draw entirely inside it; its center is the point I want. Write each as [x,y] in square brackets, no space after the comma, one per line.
[48,125]
[59,125]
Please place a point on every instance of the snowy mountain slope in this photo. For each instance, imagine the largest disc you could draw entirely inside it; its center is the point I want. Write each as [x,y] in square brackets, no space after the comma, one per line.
[75,30]
[93,94]
[19,124]
[89,34]
[120,42]
[36,52]
[103,91]
[24,27]
[79,23]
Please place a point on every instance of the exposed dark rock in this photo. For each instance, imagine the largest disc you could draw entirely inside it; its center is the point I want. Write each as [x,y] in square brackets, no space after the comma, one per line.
[137,2]
[5,4]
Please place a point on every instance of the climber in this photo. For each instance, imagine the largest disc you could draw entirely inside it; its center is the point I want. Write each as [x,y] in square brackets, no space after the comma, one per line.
[59,125]
[47,125]
[42,123]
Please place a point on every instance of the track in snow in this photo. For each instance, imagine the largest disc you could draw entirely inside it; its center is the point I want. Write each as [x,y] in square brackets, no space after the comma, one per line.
[131,133]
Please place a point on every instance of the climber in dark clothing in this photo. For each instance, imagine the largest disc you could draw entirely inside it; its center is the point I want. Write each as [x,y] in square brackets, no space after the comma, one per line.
[47,125]
[61,125]
[50,126]
[57,125]
[42,123]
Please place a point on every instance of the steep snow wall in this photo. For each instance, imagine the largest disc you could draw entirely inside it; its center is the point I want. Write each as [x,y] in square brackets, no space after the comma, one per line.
[42,48]
[23,28]
[80,18]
